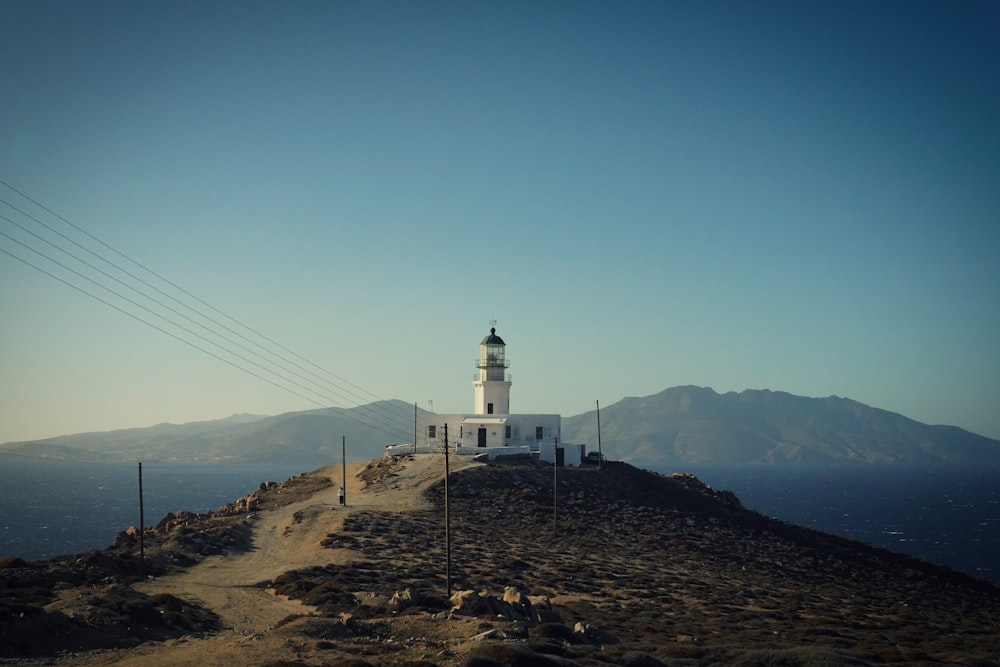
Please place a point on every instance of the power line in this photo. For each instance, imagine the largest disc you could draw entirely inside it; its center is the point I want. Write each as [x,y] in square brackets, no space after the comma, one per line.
[367,410]
[180,289]
[146,322]
[169,333]
[373,411]
[339,391]
[162,305]
[162,292]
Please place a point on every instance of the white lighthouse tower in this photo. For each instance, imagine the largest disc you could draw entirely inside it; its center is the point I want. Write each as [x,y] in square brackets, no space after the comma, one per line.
[491,430]
[492,383]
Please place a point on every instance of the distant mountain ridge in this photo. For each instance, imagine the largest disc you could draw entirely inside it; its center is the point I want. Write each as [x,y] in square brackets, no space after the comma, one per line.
[678,425]
[697,425]
[311,437]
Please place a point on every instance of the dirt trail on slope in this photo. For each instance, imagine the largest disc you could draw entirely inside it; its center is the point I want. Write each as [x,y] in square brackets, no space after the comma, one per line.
[284,538]
[289,538]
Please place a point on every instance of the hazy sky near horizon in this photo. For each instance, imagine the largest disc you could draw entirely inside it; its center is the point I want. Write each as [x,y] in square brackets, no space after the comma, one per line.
[798,196]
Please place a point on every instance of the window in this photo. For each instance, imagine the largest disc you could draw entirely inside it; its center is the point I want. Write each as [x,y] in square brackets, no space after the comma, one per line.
[538,433]
[432,431]
[489,408]
[507,432]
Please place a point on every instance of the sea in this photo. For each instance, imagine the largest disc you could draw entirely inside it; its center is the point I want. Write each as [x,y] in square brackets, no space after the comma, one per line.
[944,514]
[52,508]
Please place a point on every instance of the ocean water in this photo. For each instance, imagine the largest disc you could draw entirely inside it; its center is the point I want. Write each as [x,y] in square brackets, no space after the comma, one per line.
[52,508]
[944,514]
[947,515]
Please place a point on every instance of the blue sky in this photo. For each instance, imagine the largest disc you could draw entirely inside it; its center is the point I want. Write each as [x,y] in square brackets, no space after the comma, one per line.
[793,196]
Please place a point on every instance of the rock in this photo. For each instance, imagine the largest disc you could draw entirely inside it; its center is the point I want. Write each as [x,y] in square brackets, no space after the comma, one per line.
[489,634]
[403,599]
[556,631]
[540,601]
[594,635]
[165,523]
[127,538]
[506,610]
[371,599]
[514,596]
[11,562]
[466,602]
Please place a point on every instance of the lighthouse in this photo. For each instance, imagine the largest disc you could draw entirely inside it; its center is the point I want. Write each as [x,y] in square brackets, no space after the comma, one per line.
[492,383]
[491,430]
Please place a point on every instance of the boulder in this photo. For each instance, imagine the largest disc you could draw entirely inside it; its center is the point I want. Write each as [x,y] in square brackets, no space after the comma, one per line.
[127,537]
[403,599]
[514,596]
[11,562]
[593,634]
[466,602]
[165,523]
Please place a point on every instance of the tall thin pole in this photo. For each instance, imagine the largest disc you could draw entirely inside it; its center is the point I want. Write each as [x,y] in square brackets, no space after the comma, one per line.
[343,466]
[600,453]
[555,495]
[142,530]
[414,427]
[447,516]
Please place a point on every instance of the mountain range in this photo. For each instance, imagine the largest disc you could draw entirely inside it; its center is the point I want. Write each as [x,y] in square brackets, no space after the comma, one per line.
[697,425]
[678,425]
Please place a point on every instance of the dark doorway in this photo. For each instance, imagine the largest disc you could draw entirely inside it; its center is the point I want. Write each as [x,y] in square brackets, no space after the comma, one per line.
[482,436]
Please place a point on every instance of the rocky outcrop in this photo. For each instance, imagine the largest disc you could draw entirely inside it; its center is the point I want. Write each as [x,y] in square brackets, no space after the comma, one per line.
[511,606]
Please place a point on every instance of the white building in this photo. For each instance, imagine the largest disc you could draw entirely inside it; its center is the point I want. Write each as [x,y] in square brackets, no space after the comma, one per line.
[492,429]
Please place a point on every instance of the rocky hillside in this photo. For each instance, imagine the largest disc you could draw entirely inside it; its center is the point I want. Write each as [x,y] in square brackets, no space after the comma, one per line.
[698,425]
[619,566]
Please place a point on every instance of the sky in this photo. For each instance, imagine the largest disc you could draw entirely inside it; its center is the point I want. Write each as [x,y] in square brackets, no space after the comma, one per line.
[795,196]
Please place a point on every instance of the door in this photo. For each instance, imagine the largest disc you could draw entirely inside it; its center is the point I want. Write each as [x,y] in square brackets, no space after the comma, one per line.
[482,436]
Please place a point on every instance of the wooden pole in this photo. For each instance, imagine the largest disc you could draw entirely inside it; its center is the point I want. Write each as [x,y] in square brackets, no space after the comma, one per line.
[447,517]
[343,466]
[600,452]
[142,530]
[555,496]
[414,427]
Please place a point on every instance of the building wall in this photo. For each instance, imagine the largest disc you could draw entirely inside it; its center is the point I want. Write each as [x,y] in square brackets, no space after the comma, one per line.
[497,393]
[524,430]
[573,454]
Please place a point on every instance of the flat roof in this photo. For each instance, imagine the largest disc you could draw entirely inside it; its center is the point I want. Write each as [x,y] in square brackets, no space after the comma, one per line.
[476,419]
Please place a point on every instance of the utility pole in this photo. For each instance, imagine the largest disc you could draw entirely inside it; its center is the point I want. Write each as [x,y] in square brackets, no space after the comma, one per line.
[555,494]
[142,531]
[600,453]
[447,517]
[414,427]
[343,466]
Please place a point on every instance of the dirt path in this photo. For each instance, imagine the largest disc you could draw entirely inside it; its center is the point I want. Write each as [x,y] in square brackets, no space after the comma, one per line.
[285,538]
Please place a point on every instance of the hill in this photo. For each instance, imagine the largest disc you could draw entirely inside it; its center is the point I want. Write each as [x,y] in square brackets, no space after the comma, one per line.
[698,425]
[678,425]
[626,567]
[312,437]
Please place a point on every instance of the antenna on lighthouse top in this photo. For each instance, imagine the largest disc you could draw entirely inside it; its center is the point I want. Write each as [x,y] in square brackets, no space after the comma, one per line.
[493,323]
